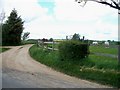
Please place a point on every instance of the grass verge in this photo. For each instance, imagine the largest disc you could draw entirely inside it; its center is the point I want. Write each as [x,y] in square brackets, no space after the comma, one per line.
[3,49]
[99,69]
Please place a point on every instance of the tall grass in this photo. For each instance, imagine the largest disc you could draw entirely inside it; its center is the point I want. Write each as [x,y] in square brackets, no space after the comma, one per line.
[99,69]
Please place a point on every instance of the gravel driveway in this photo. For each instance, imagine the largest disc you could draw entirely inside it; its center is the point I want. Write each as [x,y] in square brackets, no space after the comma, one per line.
[19,70]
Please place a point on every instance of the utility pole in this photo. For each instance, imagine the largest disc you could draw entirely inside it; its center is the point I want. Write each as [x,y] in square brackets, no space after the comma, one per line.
[119,38]
[2,17]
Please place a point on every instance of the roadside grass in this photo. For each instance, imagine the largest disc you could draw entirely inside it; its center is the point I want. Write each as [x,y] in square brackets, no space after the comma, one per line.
[95,68]
[102,49]
[3,49]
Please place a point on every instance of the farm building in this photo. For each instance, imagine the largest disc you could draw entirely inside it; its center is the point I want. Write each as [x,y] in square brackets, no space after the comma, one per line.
[106,44]
[95,43]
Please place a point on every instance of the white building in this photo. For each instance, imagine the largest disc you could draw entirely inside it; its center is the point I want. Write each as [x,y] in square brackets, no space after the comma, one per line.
[95,43]
[106,44]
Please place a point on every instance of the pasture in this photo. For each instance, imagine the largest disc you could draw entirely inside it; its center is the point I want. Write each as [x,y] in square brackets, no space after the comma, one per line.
[100,69]
[112,50]
[103,49]
[29,41]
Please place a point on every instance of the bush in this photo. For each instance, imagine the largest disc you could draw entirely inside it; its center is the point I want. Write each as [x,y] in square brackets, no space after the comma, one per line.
[73,50]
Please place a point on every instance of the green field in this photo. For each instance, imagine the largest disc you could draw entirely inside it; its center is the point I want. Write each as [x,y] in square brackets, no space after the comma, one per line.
[97,49]
[95,68]
[30,41]
[102,49]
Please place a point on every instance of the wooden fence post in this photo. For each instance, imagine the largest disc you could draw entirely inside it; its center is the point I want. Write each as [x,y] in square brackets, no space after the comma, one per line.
[47,45]
[42,44]
[53,46]
[119,54]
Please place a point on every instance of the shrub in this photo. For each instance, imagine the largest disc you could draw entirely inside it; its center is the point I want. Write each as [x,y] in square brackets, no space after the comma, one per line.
[73,50]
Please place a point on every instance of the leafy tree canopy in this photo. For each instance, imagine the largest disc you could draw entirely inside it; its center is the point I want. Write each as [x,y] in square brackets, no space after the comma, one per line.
[76,37]
[26,35]
[12,29]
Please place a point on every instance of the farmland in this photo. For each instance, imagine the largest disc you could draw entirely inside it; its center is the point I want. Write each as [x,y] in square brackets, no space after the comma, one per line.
[100,69]
[102,49]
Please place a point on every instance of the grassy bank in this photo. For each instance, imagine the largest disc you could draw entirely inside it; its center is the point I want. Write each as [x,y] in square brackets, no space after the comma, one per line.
[99,69]
[3,49]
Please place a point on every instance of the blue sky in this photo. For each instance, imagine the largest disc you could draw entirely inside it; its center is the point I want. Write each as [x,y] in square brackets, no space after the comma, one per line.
[58,18]
[50,5]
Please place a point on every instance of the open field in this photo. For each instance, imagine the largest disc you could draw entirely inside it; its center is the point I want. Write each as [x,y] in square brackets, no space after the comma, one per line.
[102,49]
[30,41]
[113,49]
[95,68]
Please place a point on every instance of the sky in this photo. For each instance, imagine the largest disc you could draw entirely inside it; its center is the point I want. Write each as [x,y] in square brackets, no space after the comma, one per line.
[60,18]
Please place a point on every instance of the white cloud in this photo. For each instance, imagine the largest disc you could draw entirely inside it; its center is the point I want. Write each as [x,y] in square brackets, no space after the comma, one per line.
[68,18]
[28,9]
[70,10]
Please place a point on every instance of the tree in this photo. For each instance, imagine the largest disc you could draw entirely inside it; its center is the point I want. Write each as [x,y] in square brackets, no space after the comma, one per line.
[51,39]
[26,35]
[112,3]
[12,29]
[76,37]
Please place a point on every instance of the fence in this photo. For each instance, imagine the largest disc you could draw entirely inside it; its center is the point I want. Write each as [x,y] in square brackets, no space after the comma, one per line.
[46,45]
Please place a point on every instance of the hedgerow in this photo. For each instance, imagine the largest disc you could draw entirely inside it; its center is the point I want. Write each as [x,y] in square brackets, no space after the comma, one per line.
[73,50]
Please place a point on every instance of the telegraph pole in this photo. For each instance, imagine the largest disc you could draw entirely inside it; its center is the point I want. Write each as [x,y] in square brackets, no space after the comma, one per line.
[118,38]
[2,17]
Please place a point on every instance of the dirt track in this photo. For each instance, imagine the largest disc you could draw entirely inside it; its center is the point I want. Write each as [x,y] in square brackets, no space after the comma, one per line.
[21,71]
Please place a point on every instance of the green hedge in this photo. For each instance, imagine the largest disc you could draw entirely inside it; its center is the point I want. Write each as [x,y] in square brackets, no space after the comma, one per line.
[73,50]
